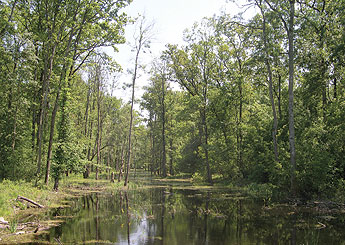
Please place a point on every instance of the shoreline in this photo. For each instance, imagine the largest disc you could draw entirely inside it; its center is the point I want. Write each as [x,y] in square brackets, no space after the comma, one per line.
[23,221]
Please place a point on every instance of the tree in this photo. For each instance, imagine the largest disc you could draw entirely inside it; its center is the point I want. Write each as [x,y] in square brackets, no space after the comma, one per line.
[142,41]
[79,45]
[288,21]
[193,69]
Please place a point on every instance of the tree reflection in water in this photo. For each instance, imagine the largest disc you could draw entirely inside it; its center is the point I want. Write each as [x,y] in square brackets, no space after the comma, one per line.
[188,216]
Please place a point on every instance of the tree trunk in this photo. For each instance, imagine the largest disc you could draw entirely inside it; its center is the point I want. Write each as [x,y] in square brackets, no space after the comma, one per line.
[279,96]
[87,110]
[131,124]
[164,170]
[56,184]
[132,105]
[47,71]
[121,161]
[51,136]
[171,170]
[270,83]
[98,125]
[291,99]
[205,144]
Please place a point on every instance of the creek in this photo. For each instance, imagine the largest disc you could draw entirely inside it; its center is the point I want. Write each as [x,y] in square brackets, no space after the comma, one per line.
[176,212]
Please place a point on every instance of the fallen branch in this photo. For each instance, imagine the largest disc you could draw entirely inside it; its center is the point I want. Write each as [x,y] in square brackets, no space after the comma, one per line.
[30,201]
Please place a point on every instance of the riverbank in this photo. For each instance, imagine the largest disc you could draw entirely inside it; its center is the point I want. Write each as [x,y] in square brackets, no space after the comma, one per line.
[21,220]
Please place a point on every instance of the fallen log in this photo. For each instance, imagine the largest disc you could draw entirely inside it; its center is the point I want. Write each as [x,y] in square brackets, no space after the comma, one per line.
[30,201]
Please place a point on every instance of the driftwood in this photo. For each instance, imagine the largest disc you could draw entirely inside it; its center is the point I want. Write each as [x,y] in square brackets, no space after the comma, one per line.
[30,201]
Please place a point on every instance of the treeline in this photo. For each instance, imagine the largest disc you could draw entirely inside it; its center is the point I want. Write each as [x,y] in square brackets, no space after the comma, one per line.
[57,110]
[261,100]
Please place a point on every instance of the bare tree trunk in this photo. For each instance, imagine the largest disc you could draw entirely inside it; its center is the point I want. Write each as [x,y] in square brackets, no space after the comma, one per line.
[131,120]
[141,41]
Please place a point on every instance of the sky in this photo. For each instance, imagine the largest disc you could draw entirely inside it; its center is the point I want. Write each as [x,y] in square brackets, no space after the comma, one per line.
[170,18]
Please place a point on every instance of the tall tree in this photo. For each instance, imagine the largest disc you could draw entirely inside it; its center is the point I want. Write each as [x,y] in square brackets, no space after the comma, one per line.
[142,41]
[288,20]
[193,68]
[259,3]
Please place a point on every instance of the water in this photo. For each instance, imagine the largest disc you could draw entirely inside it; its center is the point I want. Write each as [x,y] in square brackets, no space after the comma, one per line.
[181,214]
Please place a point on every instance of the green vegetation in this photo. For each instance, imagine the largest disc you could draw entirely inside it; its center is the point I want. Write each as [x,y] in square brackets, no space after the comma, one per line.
[261,102]
[75,185]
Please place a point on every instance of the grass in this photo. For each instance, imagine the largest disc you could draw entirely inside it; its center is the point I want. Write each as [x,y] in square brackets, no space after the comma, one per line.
[16,212]
[9,190]
[73,185]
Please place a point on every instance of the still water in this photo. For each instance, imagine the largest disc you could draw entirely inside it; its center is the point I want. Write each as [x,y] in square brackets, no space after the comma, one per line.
[175,214]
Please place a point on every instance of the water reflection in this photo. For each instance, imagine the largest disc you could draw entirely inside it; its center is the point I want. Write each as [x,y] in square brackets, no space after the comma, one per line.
[188,216]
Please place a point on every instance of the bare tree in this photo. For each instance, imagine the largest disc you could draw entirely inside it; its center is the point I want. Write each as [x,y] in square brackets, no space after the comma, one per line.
[142,39]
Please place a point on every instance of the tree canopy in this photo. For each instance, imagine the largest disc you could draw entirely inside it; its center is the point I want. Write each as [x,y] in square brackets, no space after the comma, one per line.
[242,101]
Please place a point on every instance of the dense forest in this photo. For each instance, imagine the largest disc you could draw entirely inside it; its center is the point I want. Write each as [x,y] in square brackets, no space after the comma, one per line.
[257,102]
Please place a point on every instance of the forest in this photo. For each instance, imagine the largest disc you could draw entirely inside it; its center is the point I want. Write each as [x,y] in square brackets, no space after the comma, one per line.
[254,102]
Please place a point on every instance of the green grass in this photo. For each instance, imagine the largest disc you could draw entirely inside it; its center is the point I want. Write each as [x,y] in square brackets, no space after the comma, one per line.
[74,184]
[9,190]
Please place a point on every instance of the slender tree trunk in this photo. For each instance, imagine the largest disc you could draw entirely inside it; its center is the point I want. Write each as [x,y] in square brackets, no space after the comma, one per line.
[279,96]
[33,128]
[90,128]
[335,88]
[51,136]
[87,109]
[171,170]
[270,83]
[14,133]
[121,161]
[132,108]
[141,41]
[240,135]
[131,122]
[163,130]
[291,99]
[45,91]
[108,164]
[98,126]
[152,145]
[205,132]
[56,183]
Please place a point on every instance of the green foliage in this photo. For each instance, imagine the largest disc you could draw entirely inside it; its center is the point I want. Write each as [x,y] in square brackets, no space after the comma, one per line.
[263,192]
[220,120]
[198,178]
